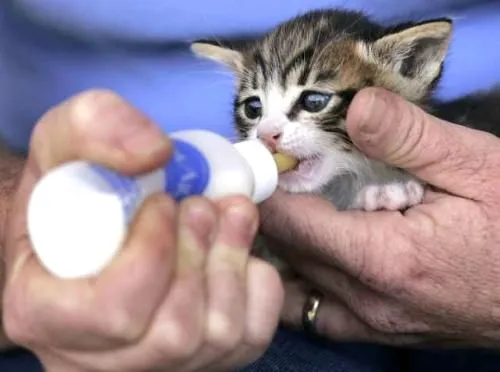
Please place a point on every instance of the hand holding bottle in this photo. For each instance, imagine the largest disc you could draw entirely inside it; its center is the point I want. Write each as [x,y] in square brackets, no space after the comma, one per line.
[182,294]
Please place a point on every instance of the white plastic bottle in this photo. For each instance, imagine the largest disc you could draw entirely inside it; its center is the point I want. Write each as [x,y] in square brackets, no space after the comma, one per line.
[78,213]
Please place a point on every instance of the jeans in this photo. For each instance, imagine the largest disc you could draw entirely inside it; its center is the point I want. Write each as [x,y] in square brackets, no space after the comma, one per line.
[296,352]
[19,361]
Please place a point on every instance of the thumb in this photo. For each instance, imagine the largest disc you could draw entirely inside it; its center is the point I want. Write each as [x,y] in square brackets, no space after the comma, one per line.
[454,158]
[101,127]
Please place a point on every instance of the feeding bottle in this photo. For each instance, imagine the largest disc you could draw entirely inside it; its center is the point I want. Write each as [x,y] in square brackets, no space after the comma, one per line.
[78,213]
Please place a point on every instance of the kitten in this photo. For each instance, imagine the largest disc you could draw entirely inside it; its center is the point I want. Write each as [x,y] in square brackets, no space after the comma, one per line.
[295,84]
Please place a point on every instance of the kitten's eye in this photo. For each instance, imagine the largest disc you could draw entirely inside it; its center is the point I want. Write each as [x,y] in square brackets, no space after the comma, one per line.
[314,101]
[253,108]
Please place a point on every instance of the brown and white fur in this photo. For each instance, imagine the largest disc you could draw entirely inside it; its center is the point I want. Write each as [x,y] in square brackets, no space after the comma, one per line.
[329,55]
[294,86]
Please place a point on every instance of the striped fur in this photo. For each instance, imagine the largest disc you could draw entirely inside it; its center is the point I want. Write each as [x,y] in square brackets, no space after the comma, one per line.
[336,53]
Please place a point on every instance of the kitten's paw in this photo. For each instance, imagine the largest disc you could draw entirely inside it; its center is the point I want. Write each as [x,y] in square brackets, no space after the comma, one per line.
[392,196]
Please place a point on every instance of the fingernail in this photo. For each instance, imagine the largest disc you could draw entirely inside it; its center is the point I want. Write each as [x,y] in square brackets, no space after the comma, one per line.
[371,107]
[200,219]
[144,140]
[241,219]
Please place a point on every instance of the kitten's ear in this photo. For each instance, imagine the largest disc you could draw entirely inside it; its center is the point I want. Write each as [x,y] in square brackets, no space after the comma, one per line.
[221,54]
[416,52]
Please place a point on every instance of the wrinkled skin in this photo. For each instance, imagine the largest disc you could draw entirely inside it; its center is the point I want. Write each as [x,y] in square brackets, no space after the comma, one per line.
[182,295]
[427,276]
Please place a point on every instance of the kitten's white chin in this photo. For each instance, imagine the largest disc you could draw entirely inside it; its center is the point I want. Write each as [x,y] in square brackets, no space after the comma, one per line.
[309,176]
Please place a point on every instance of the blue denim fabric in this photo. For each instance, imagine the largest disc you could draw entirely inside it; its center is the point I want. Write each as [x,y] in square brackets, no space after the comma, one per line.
[466,360]
[292,352]
[19,361]
[39,68]
[295,352]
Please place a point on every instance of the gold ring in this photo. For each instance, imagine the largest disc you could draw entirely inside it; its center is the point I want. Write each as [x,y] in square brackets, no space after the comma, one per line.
[310,311]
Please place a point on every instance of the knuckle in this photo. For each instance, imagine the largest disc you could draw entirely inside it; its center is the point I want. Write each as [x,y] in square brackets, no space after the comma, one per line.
[178,340]
[70,122]
[383,317]
[476,169]
[87,106]
[395,272]
[122,327]
[382,322]
[108,317]
[406,139]
[15,326]
[20,306]
[389,280]
[222,333]
[412,134]
[393,320]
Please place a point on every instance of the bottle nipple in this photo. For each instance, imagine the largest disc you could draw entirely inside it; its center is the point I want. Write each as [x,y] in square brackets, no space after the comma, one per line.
[284,162]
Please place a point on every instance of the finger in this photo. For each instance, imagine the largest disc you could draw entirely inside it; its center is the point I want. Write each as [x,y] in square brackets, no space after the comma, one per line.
[371,301]
[335,320]
[98,126]
[262,316]
[197,227]
[177,331]
[330,278]
[113,309]
[181,323]
[101,127]
[454,158]
[15,251]
[264,303]
[356,295]
[137,280]
[382,308]
[226,276]
[350,240]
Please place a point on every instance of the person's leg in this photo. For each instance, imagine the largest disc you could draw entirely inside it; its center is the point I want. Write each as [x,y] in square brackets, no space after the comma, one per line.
[295,352]
[478,360]
[19,361]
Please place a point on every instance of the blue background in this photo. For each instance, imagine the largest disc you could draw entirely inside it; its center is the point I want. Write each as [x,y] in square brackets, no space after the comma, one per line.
[53,49]
[50,51]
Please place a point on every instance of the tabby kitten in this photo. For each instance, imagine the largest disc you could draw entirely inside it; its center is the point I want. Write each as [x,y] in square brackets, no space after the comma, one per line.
[294,86]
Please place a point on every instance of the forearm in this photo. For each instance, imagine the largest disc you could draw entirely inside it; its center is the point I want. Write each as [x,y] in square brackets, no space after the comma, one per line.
[11,167]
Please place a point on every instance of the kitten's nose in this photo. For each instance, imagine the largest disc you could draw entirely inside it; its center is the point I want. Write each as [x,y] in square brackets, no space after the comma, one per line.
[270,139]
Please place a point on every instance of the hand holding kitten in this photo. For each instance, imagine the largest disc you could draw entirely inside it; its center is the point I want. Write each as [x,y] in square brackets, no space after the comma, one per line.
[426,276]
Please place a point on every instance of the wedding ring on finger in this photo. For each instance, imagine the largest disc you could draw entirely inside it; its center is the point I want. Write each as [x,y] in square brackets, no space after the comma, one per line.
[310,311]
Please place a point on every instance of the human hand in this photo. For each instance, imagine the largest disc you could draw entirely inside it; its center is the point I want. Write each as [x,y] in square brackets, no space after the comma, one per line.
[427,276]
[182,295]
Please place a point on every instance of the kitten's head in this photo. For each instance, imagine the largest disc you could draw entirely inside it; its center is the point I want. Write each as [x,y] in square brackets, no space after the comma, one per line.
[295,84]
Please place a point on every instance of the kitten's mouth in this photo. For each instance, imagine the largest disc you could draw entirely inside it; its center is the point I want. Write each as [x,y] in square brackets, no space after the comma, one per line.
[307,176]
[306,167]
